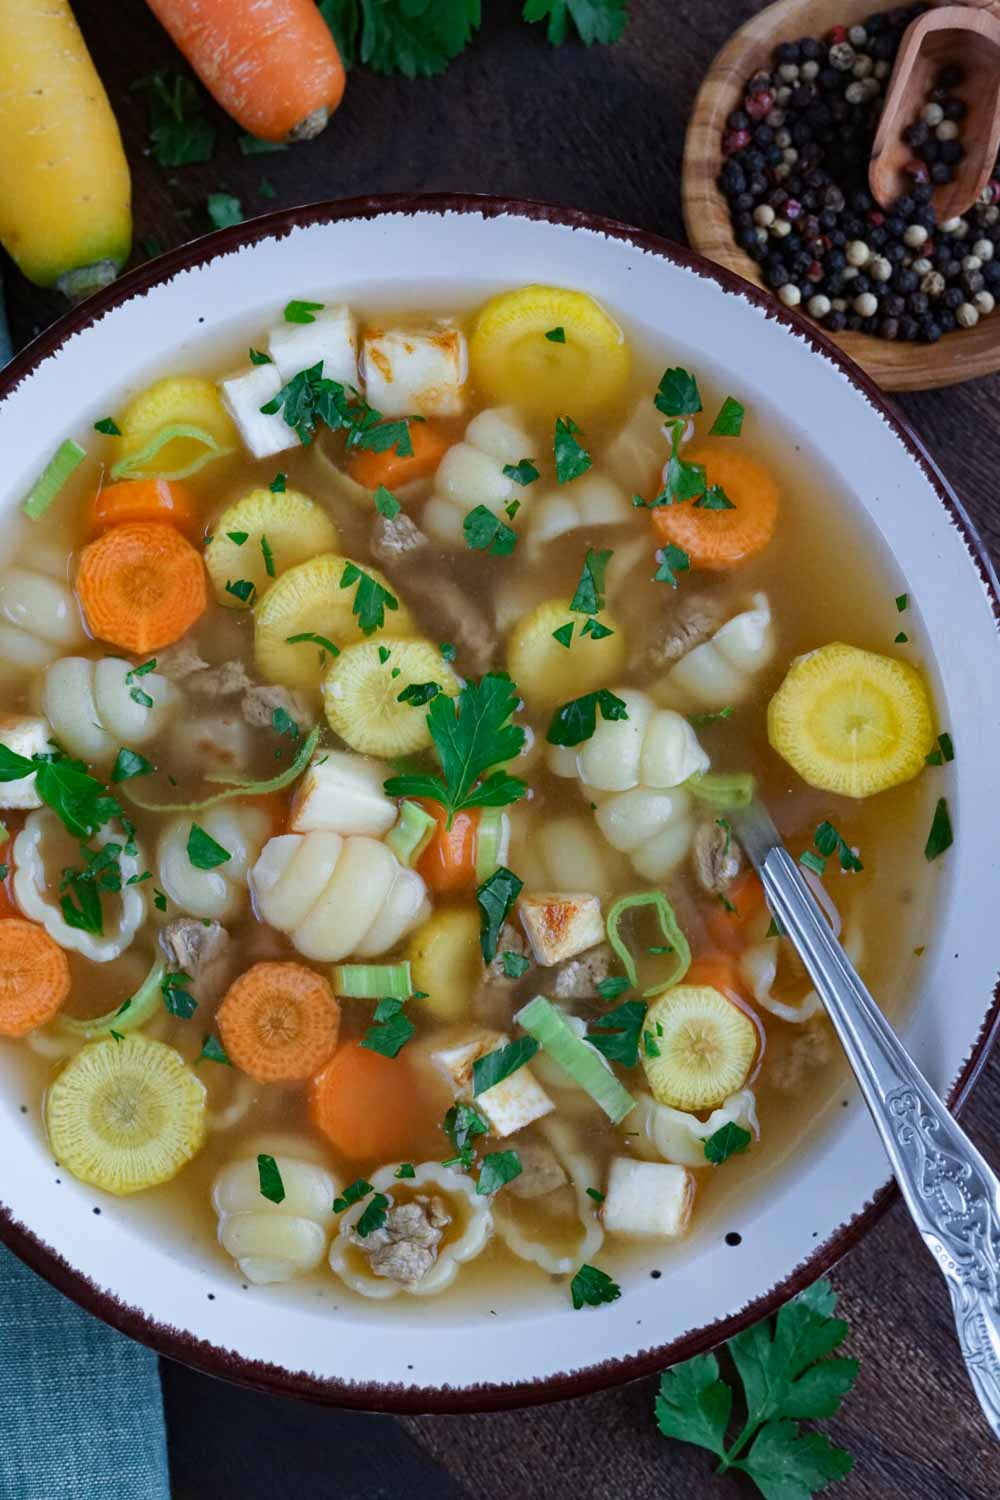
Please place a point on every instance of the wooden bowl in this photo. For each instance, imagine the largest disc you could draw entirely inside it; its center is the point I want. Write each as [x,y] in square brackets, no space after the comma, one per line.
[958,356]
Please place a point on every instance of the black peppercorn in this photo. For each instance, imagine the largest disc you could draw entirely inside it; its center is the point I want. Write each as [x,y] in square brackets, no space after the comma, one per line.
[950,76]
[787,52]
[908,329]
[895,252]
[763,135]
[889,328]
[954,109]
[930,332]
[917,135]
[953,297]
[738,120]
[830,79]
[835,321]
[854,322]
[947,320]
[917,302]
[895,305]
[904,207]
[941,173]
[951,152]
[991,273]
[810,50]
[906,281]
[973,282]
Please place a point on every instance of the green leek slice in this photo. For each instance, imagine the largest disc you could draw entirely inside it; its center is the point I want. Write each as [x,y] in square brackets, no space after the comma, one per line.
[492,841]
[733,790]
[52,478]
[670,928]
[136,1011]
[410,835]
[373,981]
[238,789]
[550,1029]
[138,465]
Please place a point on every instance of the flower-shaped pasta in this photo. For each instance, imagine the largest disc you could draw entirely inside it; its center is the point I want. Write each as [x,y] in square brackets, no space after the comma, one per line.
[435,1222]
[550,1219]
[637,453]
[39,616]
[220,892]
[96,707]
[759,968]
[274,1241]
[337,895]
[472,473]
[658,1132]
[721,671]
[41,851]
[591,501]
[564,854]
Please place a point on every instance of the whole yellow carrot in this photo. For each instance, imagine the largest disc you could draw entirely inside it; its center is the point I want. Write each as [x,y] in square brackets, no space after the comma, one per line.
[65,211]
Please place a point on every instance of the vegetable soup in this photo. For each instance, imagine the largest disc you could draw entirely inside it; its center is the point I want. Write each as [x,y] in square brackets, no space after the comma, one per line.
[374,707]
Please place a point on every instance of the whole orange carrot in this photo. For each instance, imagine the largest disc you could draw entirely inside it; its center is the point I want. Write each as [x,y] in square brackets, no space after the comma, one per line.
[271,64]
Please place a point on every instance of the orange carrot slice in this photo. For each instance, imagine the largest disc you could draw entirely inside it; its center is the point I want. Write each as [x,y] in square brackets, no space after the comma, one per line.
[728,928]
[34,976]
[274,68]
[722,539]
[368,1106]
[279,1022]
[142,586]
[143,500]
[430,442]
[449,861]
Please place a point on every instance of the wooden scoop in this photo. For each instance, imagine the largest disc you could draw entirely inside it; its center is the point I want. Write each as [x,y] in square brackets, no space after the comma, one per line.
[967,34]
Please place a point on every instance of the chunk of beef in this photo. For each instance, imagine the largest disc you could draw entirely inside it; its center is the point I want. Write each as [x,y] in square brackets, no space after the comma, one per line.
[811,1046]
[179,661]
[716,856]
[260,704]
[541,1171]
[690,624]
[406,1246]
[397,537]
[446,609]
[491,1004]
[578,978]
[190,947]
[224,681]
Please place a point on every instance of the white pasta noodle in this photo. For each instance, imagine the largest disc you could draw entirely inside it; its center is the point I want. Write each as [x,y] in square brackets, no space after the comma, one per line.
[337,895]
[574,1223]
[39,619]
[642,762]
[274,1241]
[220,893]
[759,967]
[53,1044]
[659,1133]
[36,887]
[471,474]
[635,456]
[593,500]
[242,1093]
[721,671]
[93,712]
[564,854]
[415,370]
[469,1211]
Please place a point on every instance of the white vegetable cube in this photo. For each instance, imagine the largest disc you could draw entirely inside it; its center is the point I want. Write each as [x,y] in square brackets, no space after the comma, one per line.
[26,736]
[415,370]
[243,397]
[331,339]
[648,1199]
[560,925]
[342,793]
[509,1105]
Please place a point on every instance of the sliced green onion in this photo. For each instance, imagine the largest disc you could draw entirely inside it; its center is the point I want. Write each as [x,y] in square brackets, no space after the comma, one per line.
[52,478]
[670,928]
[492,842]
[136,1011]
[584,1064]
[138,465]
[373,981]
[238,789]
[410,835]
[733,790]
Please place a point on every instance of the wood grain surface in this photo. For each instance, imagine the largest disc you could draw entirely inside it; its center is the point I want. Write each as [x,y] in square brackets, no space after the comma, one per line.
[600,130]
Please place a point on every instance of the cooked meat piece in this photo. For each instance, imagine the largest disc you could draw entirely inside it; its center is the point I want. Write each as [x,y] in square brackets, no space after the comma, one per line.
[693,622]
[716,856]
[180,661]
[491,1004]
[190,947]
[219,742]
[812,1046]
[406,1246]
[260,703]
[541,1172]
[578,978]
[511,940]
[396,537]
[221,682]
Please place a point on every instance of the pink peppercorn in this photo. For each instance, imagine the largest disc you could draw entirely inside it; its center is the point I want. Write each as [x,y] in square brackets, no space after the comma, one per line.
[875,217]
[793,208]
[919,171]
[994,187]
[758,105]
[838,34]
[815,272]
[735,140]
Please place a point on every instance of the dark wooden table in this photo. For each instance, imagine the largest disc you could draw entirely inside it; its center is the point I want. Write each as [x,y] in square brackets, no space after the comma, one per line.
[600,130]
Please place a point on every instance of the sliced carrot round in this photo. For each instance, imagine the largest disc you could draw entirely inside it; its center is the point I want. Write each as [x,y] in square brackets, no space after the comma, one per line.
[144,500]
[449,861]
[279,1022]
[368,1106]
[142,586]
[717,539]
[34,977]
[429,441]
[729,927]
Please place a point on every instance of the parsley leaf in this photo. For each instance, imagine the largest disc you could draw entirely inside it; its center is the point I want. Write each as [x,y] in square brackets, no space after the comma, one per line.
[589,596]
[694,1405]
[129,763]
[564,634]
[514,964]
[572,459]
[271,1186]
[419,693]
[828,841]
[405,1169]
[727,1141]
[595,629]
[374,1216]
[386,503]
[78,800]
[224,210]
[682,480]
[283,723]
[498,1065]
[673,560]
[729,422]
[678,394]
[203,851]
[612,987]
[471,733]
[302,312]
[902,602]
[616,1034]
[242,589]
[258,357]
[238,537]
[944,752]
[353,1193]
[495,897]
[713,498]
[108,426]
[317,640]
[268,555]
[941,836]
[461,1125]
[498,1168]
[278,486]
[556,335]
[701,721]
[523,473]
[179,133]
[417,38]
[179,1001]
[212,1050]
[371,600]
[252,145]
[590,1287]
[309,399]
[392,1030]
[576,721]
[593,20]
[485,532]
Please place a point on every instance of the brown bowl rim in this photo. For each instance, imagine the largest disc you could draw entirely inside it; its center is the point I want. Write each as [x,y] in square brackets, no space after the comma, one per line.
[394,1397]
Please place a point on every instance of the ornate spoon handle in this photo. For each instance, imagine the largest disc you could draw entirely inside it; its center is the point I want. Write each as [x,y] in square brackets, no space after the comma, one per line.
[951,1192]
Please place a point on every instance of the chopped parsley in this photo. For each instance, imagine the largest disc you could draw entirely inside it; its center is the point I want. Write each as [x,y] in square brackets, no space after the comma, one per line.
[177,999]
[309,399]
[523,473]
[353,1193]
[79,800]
[702,721]
[714,498]
[590,1287]
[729,422]
[268,1176]
[461,1125]
[447,650]
[828,841]
[392,1029]
[589,596]
[595,629]
[406,1169]
[945,751]
[268,555]
[556,335]
[283,723]
[564,634]
[386,503]
[498,1168]
[224,210]
[616,1034]
[672,560]
[901,639]
[242,589]
[159,899]
[419,693]
[495,897]
[108,426]
[514,964]
[371,600]
[238,537]
[941,836]
[278,486]
[572,459]
[258,357]
[375,1214]
[179,133]
[728,1141]
[576,721]
[596,1194]
[612,987]
[129,763]
[297,311]
[677,394]
[252,145]
[203,851]
[902,602]
[317,640]
[485,532]
[496,1066]
[212,1050]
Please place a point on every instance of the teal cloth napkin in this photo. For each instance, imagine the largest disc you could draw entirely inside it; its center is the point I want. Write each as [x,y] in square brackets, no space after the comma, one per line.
[81,1411]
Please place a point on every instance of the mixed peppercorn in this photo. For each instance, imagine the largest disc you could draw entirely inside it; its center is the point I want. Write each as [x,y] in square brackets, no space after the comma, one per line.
[796,176]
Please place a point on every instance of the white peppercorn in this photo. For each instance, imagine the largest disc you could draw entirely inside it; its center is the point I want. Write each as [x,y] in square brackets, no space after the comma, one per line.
[967,316]
[858,253]
[879,268]
[866,306]
[761,236]
[863,66]
[950,226]
[782,95]
[839,304]
[781,227]
[855,93]
[871,87]
[775,119]
[791,296]
[809,71]
[984,303]
[914,235]
[790,156]
[971,263]
[789,72]
[984,249]
[932,115]
[857,35]
[782,138]
[947,130]
[818,306]
[991,215]
[882,69]
[921,265]
[781,171]
[932,283]
[764,214]
[842,57]
[849,273]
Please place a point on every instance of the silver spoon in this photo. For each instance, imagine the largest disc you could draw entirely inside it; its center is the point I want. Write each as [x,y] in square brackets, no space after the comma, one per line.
[952,1194]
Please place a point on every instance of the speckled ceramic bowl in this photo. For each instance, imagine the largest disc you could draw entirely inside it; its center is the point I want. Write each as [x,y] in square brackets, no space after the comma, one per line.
[449,1358]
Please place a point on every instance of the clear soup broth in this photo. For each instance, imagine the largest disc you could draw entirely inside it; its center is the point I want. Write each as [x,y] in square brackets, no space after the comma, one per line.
[493,491]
